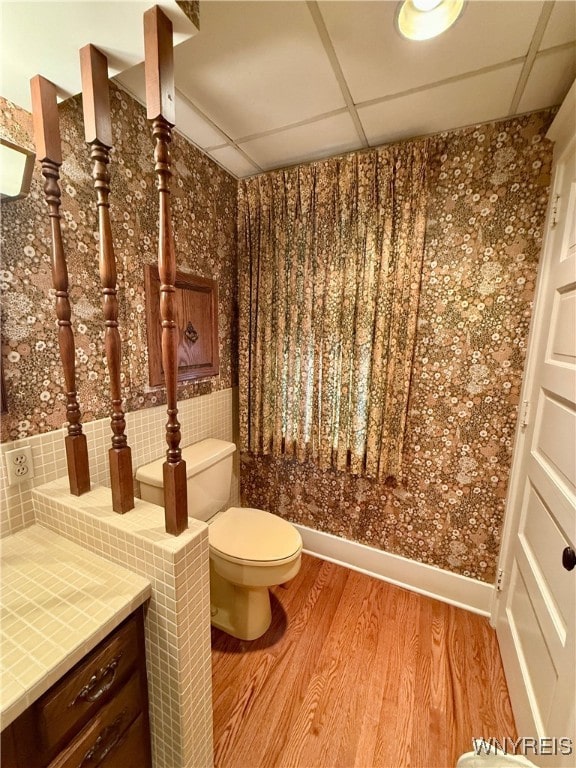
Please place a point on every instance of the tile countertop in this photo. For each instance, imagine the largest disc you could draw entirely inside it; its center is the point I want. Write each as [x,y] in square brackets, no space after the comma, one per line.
[58,602]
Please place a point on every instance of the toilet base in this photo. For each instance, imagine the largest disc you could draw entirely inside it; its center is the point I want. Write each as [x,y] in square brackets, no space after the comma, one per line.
[243,612]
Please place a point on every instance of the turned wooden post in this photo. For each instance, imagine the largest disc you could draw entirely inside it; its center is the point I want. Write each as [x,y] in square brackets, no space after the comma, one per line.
[159,70]
[98,133]
[49,152]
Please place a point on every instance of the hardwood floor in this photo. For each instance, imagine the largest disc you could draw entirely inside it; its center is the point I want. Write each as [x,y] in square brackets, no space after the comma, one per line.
[356,672]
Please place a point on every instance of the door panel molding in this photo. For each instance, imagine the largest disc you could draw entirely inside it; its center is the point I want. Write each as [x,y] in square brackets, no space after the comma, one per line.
[535,613]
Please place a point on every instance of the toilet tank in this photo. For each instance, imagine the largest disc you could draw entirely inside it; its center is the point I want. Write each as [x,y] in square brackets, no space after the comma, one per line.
[209,473]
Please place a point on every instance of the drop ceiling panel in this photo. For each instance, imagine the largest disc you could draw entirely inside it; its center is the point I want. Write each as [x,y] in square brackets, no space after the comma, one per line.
[474,100]
[189,120]
[234,161]
[377,61]
[550,78]
[191,123]
[257,66]
[561,27]
[321,138]
[258,76]
[43,38]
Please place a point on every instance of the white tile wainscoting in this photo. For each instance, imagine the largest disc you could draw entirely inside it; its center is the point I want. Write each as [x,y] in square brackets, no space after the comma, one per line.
[178,615]
[213,415]
[177,618]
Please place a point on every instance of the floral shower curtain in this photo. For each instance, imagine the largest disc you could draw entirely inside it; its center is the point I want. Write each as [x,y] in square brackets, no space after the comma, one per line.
[330,258]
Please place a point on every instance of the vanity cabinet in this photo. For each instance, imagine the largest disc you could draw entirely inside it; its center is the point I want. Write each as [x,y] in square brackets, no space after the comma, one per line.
[96,715]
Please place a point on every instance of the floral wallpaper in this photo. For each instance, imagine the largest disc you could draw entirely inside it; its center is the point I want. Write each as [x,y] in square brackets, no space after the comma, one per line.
[204,213]
[192,9]
[488,196]
[489,189]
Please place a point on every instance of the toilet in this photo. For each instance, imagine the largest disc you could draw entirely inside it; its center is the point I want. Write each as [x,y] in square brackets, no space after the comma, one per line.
[250,549]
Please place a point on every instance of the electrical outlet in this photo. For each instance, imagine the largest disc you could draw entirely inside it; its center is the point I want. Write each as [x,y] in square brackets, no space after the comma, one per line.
[19,466]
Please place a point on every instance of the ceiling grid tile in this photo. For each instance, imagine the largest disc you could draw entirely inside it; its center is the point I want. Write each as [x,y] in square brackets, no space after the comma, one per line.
[271,83]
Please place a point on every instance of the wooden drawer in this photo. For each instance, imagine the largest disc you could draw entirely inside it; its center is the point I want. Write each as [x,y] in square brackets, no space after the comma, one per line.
[102,697]
[104,735]
[93,682]
[133,749]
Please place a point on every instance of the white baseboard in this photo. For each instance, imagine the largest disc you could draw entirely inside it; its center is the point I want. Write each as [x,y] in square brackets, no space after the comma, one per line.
[461,591]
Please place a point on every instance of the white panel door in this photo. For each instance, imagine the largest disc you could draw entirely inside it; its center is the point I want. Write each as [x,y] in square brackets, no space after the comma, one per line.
[535,612]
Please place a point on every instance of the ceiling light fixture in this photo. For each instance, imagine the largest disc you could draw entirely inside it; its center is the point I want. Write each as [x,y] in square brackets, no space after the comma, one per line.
[423,19]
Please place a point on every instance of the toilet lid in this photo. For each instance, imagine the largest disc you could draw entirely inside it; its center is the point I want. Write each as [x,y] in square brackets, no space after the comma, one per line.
[253,534]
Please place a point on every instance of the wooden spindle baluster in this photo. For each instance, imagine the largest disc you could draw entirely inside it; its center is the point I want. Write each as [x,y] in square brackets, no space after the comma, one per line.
[49,152]
[98,133]
[160,109]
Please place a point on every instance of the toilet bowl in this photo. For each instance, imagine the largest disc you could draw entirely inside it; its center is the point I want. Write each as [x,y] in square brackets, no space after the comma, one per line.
[250,549]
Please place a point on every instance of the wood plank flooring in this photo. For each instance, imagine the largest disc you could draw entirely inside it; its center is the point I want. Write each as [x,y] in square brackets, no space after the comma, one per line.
[357,673]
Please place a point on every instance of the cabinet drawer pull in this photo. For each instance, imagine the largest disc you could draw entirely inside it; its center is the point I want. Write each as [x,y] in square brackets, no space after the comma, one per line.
[105,743]
[100,682]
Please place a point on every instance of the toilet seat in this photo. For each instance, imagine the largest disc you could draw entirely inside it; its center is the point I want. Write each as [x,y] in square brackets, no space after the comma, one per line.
[253,537]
